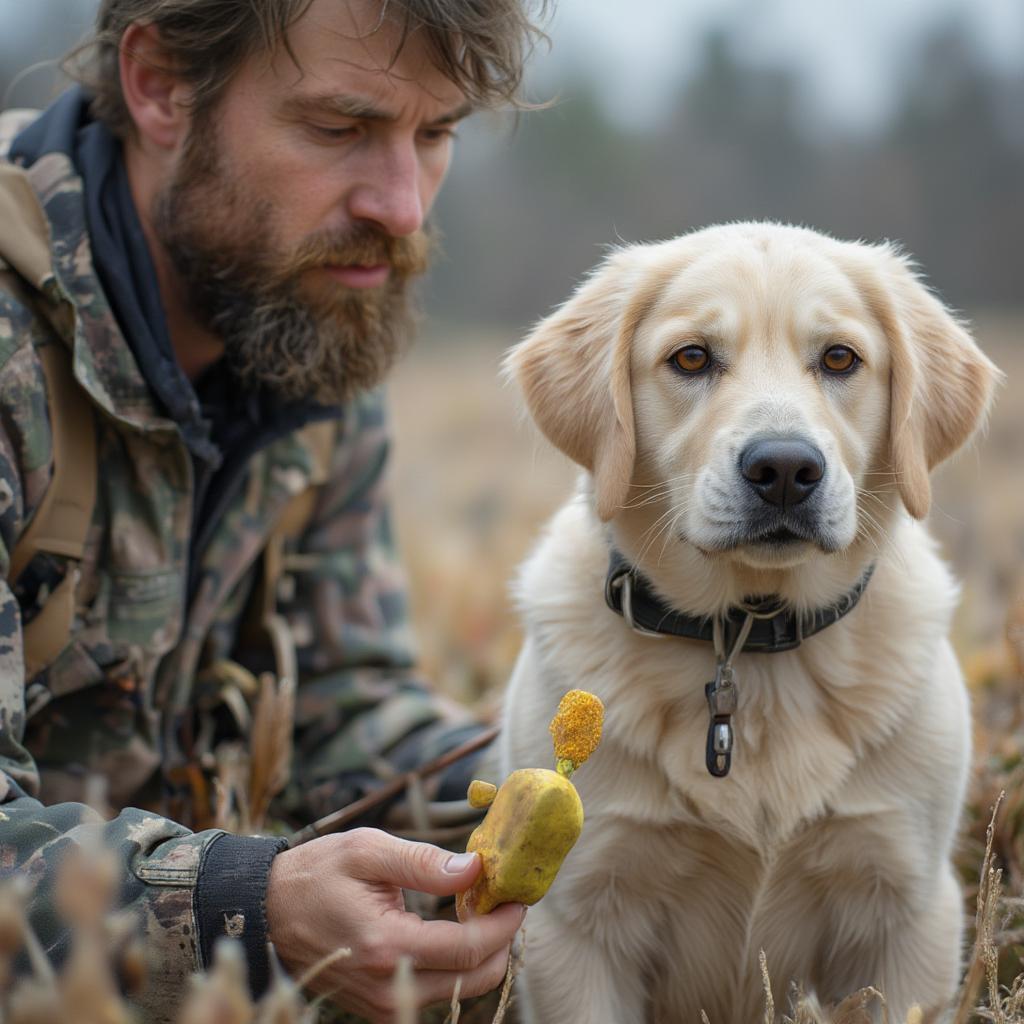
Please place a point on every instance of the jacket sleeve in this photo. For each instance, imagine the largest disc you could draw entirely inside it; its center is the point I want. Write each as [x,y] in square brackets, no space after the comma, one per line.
[184,888]
[362,711]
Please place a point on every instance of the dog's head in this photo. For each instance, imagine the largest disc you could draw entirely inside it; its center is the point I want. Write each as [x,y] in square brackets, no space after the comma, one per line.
[765,389]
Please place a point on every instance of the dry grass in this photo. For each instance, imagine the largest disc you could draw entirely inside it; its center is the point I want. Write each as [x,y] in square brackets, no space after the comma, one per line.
[464,525]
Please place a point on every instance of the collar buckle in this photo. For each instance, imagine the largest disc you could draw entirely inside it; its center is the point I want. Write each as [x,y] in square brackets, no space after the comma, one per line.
[618,593]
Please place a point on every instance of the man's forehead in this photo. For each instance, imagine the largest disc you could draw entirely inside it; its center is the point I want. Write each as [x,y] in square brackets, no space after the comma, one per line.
[350,53]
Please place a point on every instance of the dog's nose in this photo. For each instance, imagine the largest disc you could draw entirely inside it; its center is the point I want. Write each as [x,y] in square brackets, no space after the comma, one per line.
[783,471]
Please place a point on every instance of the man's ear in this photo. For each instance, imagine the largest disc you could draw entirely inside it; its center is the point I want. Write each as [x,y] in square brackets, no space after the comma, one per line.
[574,370]
[156,97]
[940,383]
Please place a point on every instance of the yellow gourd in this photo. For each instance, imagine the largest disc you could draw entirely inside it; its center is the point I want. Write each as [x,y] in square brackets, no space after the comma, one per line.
[534,817]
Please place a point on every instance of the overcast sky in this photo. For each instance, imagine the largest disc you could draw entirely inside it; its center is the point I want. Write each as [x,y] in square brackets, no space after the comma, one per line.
[849,50]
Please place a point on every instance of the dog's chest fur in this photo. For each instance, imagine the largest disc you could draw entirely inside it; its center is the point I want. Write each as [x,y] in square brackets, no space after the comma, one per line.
[668,852]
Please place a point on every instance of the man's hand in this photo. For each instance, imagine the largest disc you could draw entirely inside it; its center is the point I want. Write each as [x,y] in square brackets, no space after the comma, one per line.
[345,890]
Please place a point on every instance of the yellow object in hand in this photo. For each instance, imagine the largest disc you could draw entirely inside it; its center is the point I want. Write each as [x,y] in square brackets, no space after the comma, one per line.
[534,818]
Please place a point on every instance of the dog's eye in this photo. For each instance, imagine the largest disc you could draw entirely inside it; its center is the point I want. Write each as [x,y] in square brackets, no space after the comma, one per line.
[839,359]
[692,359]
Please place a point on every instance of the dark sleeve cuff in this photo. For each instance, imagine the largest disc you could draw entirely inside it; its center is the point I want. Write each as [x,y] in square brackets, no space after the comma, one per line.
[230,899]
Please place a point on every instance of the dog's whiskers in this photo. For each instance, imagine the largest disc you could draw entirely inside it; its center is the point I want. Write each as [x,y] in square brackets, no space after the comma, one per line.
[662,526]
[669,532]
[656,492]
[686,475]
[653,531]
[648,500]
[876,535]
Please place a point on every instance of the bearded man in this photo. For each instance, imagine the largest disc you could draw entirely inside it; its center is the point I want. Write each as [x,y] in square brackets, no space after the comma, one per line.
[215,231]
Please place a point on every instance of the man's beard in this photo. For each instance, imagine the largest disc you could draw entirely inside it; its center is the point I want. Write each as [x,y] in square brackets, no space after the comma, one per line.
[325,344]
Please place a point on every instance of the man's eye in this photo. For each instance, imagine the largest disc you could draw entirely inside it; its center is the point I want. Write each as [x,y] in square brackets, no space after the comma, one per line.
[333,133]
[839,360]
[432,135]
[692,359]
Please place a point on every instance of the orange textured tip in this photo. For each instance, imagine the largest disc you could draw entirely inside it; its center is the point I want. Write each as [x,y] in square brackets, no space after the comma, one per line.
[576,727]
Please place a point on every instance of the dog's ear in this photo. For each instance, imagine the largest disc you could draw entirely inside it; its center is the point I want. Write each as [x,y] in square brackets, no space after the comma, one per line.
[941,383]
[574,370]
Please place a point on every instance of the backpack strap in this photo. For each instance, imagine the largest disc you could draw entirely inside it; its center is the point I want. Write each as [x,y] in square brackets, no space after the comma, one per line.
[25,246]
[61,521]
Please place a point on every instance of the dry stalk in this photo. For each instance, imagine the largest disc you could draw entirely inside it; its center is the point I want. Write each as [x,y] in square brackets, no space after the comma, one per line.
[87,989]
[38,959]
[35,1002]
[231,789]
[16,933]
[854,1008]
[86,884]
[807,1010]
[332,958]
[456,1008]
[989,888]
[281,1005]
[406,1004]
[221,996]
[270,745]
[769,1002]
[516,959]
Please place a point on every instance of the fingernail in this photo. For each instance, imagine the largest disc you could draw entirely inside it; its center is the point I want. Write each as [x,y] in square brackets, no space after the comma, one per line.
[523,918]
[458,862]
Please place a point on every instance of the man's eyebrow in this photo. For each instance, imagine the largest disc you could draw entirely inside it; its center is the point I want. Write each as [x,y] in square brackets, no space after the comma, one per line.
[457,114]
[359,108]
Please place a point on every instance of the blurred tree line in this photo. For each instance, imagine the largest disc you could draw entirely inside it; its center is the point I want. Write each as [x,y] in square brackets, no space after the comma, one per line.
[524,219]
[530,208]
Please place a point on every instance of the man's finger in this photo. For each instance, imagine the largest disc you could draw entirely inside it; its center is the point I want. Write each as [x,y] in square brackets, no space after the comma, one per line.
[437,986]
[378,857]
[447,946]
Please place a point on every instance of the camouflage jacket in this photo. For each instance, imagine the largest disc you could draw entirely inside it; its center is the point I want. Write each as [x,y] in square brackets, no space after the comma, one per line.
[127,681]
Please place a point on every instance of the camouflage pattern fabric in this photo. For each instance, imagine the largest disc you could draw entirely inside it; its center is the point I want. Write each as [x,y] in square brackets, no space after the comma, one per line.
[119,701]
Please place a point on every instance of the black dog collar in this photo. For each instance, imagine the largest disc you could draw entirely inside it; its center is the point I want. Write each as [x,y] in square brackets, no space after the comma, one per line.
[775,628]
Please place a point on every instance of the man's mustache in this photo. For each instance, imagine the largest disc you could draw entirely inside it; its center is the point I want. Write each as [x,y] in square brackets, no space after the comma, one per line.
[365,245]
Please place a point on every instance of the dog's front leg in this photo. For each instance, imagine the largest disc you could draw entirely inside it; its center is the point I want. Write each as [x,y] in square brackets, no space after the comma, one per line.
[912,956]
[569,978]
[921,963]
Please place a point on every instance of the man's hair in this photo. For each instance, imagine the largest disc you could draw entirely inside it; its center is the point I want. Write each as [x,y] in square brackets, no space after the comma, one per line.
[481,45]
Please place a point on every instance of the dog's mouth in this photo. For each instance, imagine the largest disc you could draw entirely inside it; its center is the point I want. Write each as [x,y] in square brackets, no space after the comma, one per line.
[780,536]
[774,537]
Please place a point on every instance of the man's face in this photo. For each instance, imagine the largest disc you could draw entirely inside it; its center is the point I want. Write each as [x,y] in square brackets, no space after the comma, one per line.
[295,215]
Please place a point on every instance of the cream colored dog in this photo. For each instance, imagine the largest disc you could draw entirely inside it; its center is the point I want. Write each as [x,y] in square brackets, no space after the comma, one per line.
[758,408]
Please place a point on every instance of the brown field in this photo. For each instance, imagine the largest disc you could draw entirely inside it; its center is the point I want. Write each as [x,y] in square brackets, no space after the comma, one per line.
[472,487]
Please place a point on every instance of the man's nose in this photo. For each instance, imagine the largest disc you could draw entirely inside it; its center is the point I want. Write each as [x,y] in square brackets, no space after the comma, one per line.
[390,194]
[783,471]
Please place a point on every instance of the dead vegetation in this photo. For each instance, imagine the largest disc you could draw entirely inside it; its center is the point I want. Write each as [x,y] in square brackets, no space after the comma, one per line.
[475,516]
[106,966]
